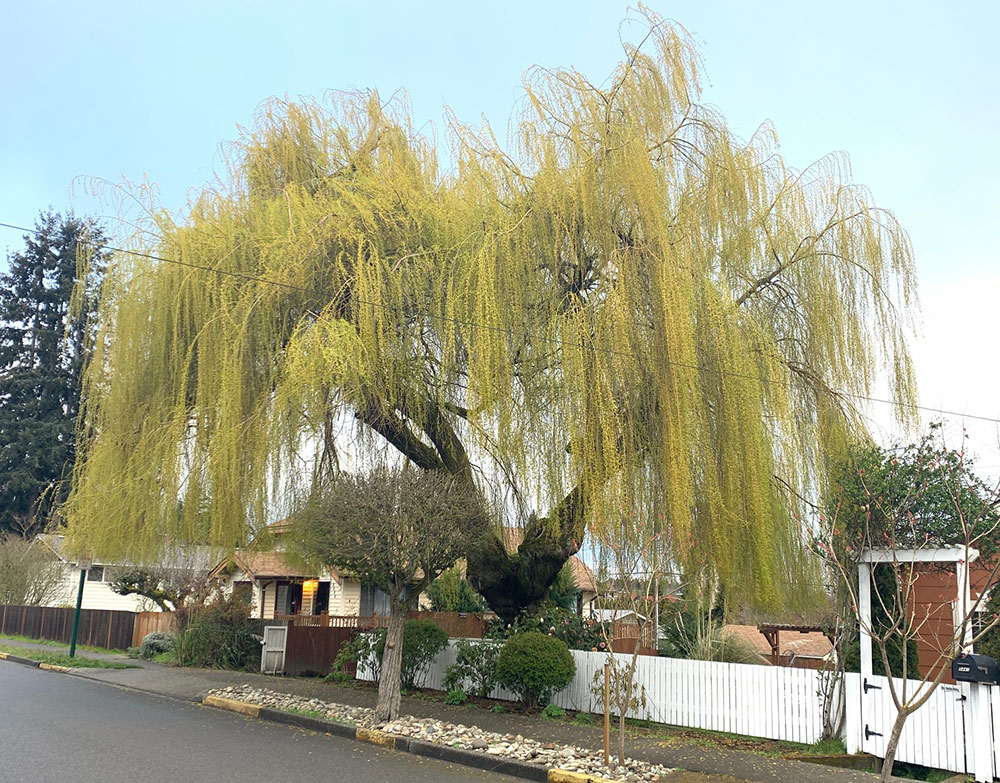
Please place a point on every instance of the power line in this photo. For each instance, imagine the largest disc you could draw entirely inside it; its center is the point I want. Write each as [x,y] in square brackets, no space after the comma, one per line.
[512,332]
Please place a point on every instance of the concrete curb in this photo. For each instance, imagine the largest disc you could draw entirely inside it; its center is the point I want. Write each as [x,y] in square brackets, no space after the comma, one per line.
[18,659]
[467,758]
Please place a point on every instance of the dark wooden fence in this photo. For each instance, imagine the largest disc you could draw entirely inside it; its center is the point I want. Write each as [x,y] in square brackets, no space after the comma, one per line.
[98,627]
[311,650]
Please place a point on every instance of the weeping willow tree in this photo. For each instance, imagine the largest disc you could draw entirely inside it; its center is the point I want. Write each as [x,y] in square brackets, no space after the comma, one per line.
[625,312]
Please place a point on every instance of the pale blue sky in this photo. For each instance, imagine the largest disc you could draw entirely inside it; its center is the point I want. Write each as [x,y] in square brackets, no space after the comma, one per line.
[909,90]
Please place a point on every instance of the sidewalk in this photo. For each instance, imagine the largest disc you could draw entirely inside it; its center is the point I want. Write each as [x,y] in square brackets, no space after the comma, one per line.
[712,765]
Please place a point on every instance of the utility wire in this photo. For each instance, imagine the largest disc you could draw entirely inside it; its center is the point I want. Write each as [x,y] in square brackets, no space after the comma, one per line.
[509,332]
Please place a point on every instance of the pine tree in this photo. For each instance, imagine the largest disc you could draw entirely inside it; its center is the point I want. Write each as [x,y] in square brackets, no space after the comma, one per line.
[42,348]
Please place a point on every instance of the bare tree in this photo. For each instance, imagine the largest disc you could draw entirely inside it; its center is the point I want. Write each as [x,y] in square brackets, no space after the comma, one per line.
[29,573]
[635,559]
[885,522]
[394,529]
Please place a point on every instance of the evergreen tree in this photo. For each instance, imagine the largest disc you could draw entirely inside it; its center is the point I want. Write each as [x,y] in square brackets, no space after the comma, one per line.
[42,346]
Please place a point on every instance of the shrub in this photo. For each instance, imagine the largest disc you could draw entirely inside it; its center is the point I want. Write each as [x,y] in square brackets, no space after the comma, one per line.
[989,644]
[534,666]
[221,635]
[577,633]
[422,640]
[359,650]
[455,696]
[451,592]
[155,643]
[475,664]
[553,712]
[498,709]
[724,646]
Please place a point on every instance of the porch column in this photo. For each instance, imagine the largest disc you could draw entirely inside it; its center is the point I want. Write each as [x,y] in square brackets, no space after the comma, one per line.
[865,616]
[963,601]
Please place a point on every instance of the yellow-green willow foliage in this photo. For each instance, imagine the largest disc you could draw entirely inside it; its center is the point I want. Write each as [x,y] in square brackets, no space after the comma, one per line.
[628,300]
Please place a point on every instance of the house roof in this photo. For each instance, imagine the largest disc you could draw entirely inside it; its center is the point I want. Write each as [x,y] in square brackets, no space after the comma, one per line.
[806,645]
[262,565]
[177,558]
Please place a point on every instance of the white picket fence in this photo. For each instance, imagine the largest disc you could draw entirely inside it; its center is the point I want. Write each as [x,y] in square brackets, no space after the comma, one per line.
[758,701]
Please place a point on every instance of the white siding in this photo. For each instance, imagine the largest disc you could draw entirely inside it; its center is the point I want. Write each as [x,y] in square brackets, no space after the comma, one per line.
[97,595]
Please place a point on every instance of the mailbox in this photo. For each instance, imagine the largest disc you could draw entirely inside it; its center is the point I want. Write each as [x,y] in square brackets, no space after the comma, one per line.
[969,667]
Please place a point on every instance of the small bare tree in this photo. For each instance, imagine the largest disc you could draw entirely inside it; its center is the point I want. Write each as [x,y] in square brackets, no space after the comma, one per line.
[634,559]
[397,530]
[896,513]
[30,575]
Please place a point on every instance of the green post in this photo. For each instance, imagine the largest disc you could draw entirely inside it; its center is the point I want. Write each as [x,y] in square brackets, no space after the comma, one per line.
[76,616]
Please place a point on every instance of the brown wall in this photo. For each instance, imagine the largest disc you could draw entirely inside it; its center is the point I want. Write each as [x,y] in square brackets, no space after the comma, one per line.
[934,591]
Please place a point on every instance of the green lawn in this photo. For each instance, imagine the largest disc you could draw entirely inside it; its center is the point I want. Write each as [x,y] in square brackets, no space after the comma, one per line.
[61,659]
[49,643]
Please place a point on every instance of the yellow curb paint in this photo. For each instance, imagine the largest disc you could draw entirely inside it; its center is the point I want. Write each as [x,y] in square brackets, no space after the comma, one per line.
[565,776]
[3,656]
[52,667]
[376,737]
[250,710]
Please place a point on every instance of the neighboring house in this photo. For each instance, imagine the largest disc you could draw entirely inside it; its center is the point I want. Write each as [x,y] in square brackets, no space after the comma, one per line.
[277,585]
[97,592]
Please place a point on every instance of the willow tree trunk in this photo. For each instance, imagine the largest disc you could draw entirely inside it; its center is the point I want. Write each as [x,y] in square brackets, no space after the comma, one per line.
[387,706]
[512,582]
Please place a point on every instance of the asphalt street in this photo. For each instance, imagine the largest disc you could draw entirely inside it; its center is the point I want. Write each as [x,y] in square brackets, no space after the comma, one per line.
[56,728]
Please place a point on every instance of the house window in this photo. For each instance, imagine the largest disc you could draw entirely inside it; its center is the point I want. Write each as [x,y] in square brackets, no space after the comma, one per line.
[374,601]
[95,574]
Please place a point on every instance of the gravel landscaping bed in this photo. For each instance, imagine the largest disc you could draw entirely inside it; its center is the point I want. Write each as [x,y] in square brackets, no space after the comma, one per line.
[457,735]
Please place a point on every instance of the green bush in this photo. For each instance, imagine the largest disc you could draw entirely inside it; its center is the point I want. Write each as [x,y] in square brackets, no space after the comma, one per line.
[579,634]
[422,640]
[155,643]
[455,696]
[359,650]
[553,712]
[451,592]
[534,666]
[221,635]
[989,643]
[475,664]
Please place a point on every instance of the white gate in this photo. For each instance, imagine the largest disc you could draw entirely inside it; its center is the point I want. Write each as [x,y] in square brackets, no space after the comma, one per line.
[933,736]
[272,652]
[995,709]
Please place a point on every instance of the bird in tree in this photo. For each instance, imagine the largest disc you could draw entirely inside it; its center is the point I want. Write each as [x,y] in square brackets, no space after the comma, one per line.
[43,343]
[628,311]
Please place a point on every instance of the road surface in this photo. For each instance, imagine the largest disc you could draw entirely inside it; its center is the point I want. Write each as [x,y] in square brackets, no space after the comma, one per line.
[56,728]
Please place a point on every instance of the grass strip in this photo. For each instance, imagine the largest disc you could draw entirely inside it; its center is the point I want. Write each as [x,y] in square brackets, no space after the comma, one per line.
[61,659]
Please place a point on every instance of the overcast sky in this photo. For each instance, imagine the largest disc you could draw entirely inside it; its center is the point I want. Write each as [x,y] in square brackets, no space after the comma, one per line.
[115,90]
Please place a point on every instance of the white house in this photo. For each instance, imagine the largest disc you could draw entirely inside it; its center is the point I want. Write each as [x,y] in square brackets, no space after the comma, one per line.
[97,592]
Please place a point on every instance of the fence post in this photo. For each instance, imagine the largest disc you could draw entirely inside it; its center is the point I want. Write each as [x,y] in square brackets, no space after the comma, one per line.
[607,715]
